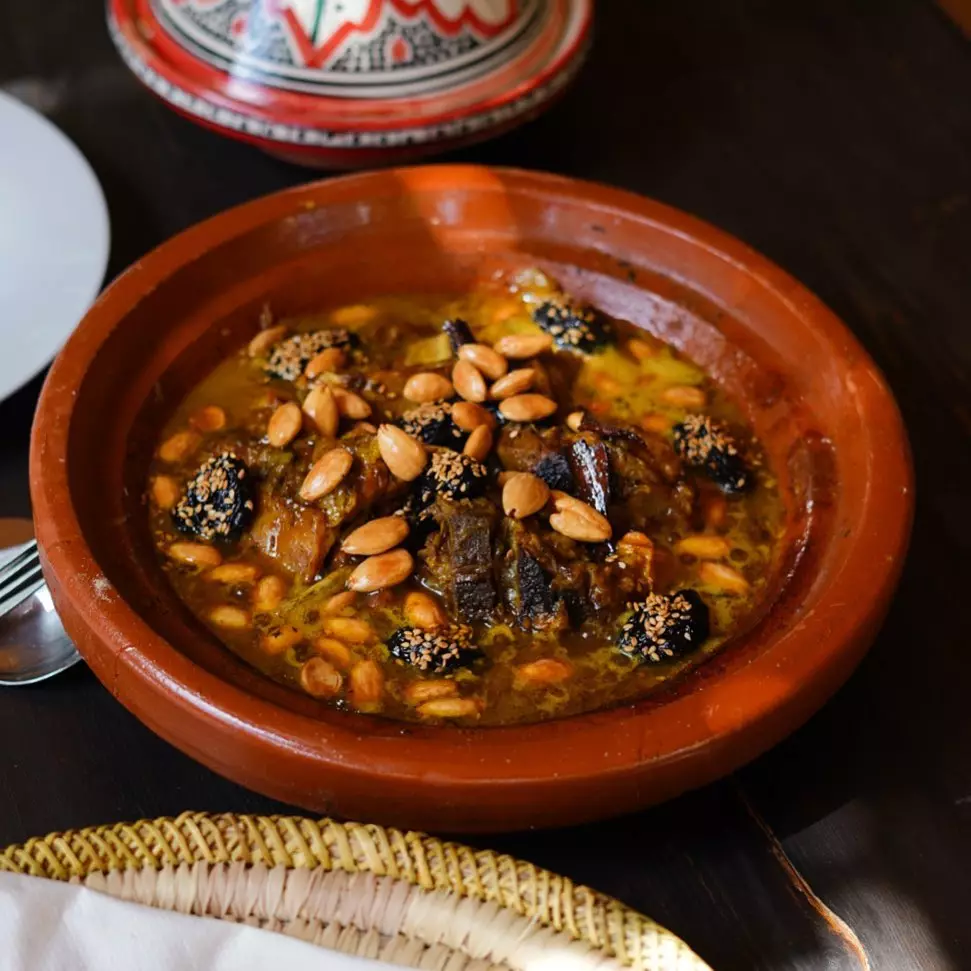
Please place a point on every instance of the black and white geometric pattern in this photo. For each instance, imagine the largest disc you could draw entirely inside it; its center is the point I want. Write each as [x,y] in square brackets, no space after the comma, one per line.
[265,51]
[427,46]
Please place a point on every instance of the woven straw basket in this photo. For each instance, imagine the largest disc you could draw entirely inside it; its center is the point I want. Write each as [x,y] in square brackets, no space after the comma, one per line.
[400,897]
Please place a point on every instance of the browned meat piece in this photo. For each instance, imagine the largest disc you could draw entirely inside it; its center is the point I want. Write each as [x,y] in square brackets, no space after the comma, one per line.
[524,584]
[374,482]
[546,582]
[540,451]
[656,452]
[296,536]
[368,483]
[591,471]
[610,587]
[459,558]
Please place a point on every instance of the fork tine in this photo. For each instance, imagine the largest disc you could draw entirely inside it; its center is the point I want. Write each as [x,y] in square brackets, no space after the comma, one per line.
[15,574]
[29,552]
[15,594]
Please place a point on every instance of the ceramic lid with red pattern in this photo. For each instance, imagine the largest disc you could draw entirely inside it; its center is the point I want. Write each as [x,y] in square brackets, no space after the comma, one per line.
[344,82]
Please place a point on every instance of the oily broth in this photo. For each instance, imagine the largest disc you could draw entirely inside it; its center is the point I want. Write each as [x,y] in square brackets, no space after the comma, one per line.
[614,384]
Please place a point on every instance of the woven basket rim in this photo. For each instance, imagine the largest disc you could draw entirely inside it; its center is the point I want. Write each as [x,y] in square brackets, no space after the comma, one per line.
[605,924]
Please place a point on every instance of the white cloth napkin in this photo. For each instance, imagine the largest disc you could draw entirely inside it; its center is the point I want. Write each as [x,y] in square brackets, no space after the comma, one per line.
[50,926]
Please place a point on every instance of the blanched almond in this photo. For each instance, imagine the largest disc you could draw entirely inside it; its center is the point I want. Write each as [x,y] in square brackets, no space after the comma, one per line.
[377,536]
[724,577]
[714,509]
[403,455]
[578,520]
[195,554]
[232,618]
[330,359]
[338,653]
[527,407]
[265,339]
[351,405]
[269,593]
[491,363]
[639,349]
[422,610]
[579,527]
[284,425]
[366,684]
[684,396]
[352,630]
[519,347]
[637,539]
[506,309]
[479,443]
[607,385]
[427,387]
[705,547]
[468,416]
[381,571]
[320,678]
[326,474]
[515,382]
[524,494]
[234,574]
[547,670]
[418,692]
[279,639]
[209,419]
[320,406]
[179,446]
[563,500]
[574,420]
[449,708]
[469,382]
[340,601]
[353,315]
[657,423]
[165,492]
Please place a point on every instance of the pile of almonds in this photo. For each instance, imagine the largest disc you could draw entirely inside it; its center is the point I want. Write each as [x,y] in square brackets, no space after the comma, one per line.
[480,374]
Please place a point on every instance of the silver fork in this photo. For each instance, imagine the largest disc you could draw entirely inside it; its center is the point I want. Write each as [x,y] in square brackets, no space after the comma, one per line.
[20,577]
[33,643]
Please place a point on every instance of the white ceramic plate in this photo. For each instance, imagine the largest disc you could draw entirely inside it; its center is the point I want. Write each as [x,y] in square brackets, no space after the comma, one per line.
[53,241]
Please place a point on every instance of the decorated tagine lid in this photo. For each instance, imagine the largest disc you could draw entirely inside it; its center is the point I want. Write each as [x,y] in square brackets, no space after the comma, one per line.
[343,83]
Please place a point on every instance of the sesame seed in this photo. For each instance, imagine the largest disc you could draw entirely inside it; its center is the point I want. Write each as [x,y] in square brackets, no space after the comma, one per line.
[214,506]
[289,357]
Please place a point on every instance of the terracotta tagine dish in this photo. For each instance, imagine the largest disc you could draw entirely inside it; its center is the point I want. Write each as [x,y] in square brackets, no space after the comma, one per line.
[826,424]
[356,82]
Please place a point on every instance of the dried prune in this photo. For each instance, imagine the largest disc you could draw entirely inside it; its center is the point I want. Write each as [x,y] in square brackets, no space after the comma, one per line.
[572,328]
[451,475]
[663,627]
[434,651]
[706,445]
[218,502]
[432,423]
[289,357]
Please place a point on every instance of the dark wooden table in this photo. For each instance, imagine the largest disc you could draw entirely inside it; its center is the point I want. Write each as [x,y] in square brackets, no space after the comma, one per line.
[833,135]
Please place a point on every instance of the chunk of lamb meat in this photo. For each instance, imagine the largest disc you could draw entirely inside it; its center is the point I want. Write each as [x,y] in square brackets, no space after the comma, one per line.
[296,537]
[655,452]
[459,557]
[524,584]
[522,448]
